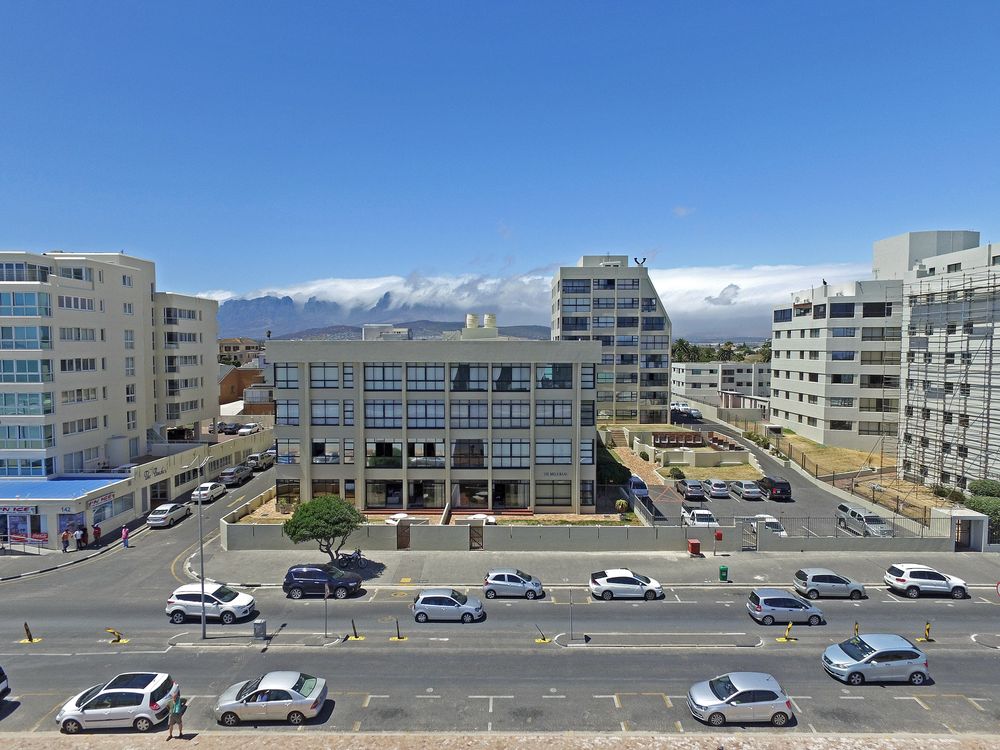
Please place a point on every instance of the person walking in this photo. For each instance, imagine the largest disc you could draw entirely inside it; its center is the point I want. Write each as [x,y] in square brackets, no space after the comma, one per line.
[78,536]
[125,537]
[86,537]
[65,540]
[175,715]
[97,535]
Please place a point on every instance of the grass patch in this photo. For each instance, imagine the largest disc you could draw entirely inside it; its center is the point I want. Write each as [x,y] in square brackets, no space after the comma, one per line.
[646,427]
[609,520]
[725,473]
[837,459]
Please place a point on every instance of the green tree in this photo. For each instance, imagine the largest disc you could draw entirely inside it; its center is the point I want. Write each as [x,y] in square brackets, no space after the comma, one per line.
[727,352]
[764,352]
[324,520]
[681,351]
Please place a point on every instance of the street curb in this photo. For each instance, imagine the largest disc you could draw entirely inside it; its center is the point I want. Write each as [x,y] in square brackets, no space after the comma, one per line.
[76,560]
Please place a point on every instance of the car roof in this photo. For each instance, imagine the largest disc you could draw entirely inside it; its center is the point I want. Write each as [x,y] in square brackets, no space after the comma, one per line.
[324,565]
[717,481]
[608,572]
[882,641]
[819,572]
[133,680]
[495,571]
[436,592]
[912,566]
[278,680]
[765,517]
[773,592]
[165,506]
[195,588]
[754,681]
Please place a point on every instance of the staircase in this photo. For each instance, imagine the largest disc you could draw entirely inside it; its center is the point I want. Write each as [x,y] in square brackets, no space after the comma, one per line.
[616,439]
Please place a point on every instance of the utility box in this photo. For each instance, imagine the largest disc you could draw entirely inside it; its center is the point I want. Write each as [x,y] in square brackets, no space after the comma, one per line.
[260,630]
[694,547]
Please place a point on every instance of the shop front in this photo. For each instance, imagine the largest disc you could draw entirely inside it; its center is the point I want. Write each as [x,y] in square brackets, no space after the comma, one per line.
[23,524]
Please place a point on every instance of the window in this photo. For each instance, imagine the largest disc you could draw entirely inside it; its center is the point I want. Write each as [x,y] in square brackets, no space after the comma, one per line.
[575,305]
[876,310]
[841,310]
[348,413]
[586,452]
[819,312]
[425,414]
[508,378]
[24,272]
[25,337]
[604,303]
[78,395]
[286,411]
[383,413]
[554,376]
[287,490]
[604,321]
[74,426]
[586,414]
[286,375]
[348,376]
[631,284]
[78,273]
[836,424]
[587,376]
[288,451]
[469,415]
[425,377]
[126,280]
[839,333]
[324,412]
[77,334]
[25,404]
[628,322]
[127,308]
[952,267]
[84,304]
[576,286]
[129,367]
[173,339]
[130,420]
[841,402]
[553,493]
[383,376]
[604,284]
[425,454]
[783,316]
[840,356]
[553,451]
[129,336]
[78,364]
[554,413]
[348,451]
[326,451]
[25,304]
[508,415]
[130,393]
[324,375]
[880,358]
[511,454]
[469,377]
[468,454]
[25,370]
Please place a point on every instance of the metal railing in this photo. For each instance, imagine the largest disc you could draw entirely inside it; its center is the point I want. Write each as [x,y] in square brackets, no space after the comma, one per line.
[20,545]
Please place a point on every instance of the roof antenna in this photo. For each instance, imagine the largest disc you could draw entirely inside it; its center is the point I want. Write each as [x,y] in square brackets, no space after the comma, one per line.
[639,262]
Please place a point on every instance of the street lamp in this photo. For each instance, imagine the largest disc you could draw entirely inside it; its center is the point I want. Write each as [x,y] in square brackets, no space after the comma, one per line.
[201,551]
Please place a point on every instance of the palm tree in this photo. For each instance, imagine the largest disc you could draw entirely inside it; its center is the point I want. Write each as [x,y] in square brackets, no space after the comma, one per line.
[681,351]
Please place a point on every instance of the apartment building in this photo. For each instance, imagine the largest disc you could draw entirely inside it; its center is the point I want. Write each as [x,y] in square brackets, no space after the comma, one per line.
[96,363]
[835,364]
[239,348]
[602,298]
[487,423]
[950,409]
[705,381]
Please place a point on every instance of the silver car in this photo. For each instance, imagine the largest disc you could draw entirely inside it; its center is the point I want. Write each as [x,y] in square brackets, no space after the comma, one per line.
[816,582]
[511,582]
[134,699]
[275,696]
[740,697]
[167,514]
[446,604]
[745,490]
[876,657]
[768,606]
[623,583]
[716,488]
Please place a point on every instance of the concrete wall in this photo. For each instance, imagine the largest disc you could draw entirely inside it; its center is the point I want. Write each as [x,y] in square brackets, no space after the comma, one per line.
[774,543]
[601,538]
[700,458]
[439,537]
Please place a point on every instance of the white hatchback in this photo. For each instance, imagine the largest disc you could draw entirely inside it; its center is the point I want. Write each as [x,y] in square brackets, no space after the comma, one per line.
[134,699]
[248,429]
[623,583]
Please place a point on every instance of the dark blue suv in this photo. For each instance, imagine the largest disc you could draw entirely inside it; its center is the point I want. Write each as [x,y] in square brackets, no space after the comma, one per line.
[313,578]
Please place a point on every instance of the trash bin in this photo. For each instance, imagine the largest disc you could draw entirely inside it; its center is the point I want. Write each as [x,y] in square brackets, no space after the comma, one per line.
[724,573]
[694,546]
[260,630]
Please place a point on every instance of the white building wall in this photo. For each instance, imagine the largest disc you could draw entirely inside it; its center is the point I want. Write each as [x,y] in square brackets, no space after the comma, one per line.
[704,380]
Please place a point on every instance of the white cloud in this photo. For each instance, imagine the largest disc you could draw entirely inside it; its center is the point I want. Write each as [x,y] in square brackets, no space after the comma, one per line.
[219,295]
[682,212]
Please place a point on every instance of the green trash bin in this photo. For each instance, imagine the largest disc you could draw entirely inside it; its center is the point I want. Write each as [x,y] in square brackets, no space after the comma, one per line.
[724,573]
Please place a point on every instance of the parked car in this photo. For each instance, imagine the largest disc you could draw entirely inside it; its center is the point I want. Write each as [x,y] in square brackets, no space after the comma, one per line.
[768,606]
[876,657]
[915,580]
[637,487]
[134,699]
[446,604]
[775,488]
[208,491]
[232,428]
[717,488]
[275,696]
[221,603]
[862,521]
[689,489]
[272,452]
[167,515]
[696,515]
[694,413]
[234,476]
[623,583]
[4,684]
[248,429]
[740,697]
[315,578]
[770,523]
[816,582]
[511,582]
[260,461]
[745,490]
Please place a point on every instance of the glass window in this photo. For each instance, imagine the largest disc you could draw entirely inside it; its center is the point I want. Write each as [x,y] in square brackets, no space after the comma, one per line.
[384,454]
[841,309]
[468,377]
[587,452]
[324,412]
[509,377]
[586,413]
[587,376]
[425,454]
[469,415]
[628,284]
[287,490]
[383,376]
[468,454]
[553,451]
[575,305]
[286,375]
[508,415]
[553,413]
[840,333]
[553,493]
[876,310]
[783,316]
[326,451]
[604,284]
[383,413]
[348,413]
[324,375]
[512,453]
[425,377]
[841,355]
[325,487]
[587,492]
[288,451]
[604,303]
[576,286]
[425,414]
[554,376]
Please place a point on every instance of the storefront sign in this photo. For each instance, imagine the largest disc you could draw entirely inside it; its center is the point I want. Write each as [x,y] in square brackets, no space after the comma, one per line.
[156,471]
[550,474]
[94,502]
[29,509]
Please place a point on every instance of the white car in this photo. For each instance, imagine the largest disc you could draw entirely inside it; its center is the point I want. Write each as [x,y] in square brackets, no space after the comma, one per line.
[134,699]
[622,582]
[167,514]
[208,491]
[771,524]
[914,580]
[221,603]
[716,488]
[248,429]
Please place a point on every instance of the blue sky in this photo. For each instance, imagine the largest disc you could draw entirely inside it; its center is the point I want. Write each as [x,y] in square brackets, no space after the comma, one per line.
[261,146]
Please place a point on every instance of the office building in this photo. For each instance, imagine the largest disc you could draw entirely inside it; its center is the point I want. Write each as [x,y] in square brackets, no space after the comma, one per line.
[485,423]
[705,381]
[604,299]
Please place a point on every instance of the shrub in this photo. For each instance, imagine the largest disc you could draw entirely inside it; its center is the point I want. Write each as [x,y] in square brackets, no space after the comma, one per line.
[609,470]
[643,455]
[985,487]
[987,505]
[676,473]
[621,505]
[940,490]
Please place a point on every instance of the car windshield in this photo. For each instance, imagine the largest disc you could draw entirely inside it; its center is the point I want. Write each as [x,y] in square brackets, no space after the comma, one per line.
[460,598]
[225,594]
[773,526]
[88,695]
[722,687]
[248,688]
[873,520]
[522,574]
[641,578]
[305,684]
[857,649]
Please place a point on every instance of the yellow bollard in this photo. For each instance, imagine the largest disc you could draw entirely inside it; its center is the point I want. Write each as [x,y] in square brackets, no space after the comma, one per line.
[855,628]
[787,637]
[28,637]
[117,636]
[927,634]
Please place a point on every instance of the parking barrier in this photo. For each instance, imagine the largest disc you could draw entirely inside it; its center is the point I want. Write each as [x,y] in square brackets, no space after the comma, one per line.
[787,637]
[398,636]
[543,639]
[28,638]
[355,637]
[117,636]
[927,634]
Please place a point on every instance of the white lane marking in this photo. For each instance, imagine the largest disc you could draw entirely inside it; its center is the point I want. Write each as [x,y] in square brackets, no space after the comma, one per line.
[912,698]
[614,698]
[563,696]
[368,699]
[852,697]
[427,696]
[678,727]
[490,698]
[812,728]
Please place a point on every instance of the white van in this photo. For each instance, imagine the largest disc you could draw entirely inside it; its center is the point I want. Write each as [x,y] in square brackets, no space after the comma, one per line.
[637,487]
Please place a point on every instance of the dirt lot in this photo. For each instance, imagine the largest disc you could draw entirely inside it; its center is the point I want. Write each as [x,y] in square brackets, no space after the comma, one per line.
[574,519]
[728,473]
[837,459]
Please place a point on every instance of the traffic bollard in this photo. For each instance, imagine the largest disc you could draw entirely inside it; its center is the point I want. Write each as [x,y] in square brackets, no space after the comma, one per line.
[117,636]
[355,637]
[28,638]
[787,637]
[398,636]
[927,634]
[543,639]
[855,628]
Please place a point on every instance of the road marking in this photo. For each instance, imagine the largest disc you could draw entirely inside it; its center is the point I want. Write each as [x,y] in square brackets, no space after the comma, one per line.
[624,726]
[912,698]
[795,705]
[614,698]
[427,696]
[553,696]
[230,505]
[368,699]
[47,714]
[678,727]
[406,580]
[948,728]
[852,697]
[489,726]
[490,699]
[812,728]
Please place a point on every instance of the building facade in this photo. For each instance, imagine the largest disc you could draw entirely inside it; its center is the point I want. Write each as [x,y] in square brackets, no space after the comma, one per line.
[239,348]
[604,299]
[705,381]
[835,365]
[484,423]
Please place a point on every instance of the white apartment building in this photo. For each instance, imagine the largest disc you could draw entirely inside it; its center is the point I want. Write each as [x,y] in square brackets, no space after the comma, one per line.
[489,424]
[604,299]
[704,381]
[96,363]
[835,365]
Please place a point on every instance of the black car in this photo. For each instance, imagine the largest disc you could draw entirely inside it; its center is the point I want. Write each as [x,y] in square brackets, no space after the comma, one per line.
[775,488]
[231,428]
[309,578]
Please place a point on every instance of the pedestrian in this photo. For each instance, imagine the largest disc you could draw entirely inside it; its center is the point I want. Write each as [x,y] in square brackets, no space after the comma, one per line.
[65,540]
[175,708]
[86,537]
[78,536]
[97,535]
[125,537]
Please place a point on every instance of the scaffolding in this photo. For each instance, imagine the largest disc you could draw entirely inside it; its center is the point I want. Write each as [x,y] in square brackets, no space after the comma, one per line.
[946,429]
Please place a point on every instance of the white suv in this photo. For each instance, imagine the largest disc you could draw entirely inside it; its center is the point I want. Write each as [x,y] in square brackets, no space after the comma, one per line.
[221,603]
[133,699]
[915,580]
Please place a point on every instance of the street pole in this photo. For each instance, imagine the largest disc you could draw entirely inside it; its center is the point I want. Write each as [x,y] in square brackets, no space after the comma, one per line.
[201,550]
[571,615]
[326,608]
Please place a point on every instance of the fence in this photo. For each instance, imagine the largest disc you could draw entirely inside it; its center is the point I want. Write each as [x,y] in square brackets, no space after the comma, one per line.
[20,545]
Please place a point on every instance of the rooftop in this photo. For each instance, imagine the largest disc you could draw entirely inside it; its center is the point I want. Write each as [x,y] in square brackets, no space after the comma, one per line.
[54,489]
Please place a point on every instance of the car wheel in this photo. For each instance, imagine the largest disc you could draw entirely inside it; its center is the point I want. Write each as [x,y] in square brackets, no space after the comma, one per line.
[855,595]
[228,618]
[362,562]
[340,593]
[855,678]
[177,618]
[71,726]
[717,719]
[767,620]
[295,593]
[491,594]
[170,523]
[918,678]
[467,618]
[142,724]
[779,719]
[649,596]
[815,620]
[296,718]
[812,594]
[230,719]
[913,592]
[607,596]
[958,593]
[421,617]
[529,595]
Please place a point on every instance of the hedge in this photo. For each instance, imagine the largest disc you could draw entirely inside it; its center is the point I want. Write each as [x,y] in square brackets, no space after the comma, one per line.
[985,487]
[987,505]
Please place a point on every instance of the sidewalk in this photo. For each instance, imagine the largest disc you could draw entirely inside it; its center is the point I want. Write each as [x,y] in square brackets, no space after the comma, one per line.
[14,566]
[559,569]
